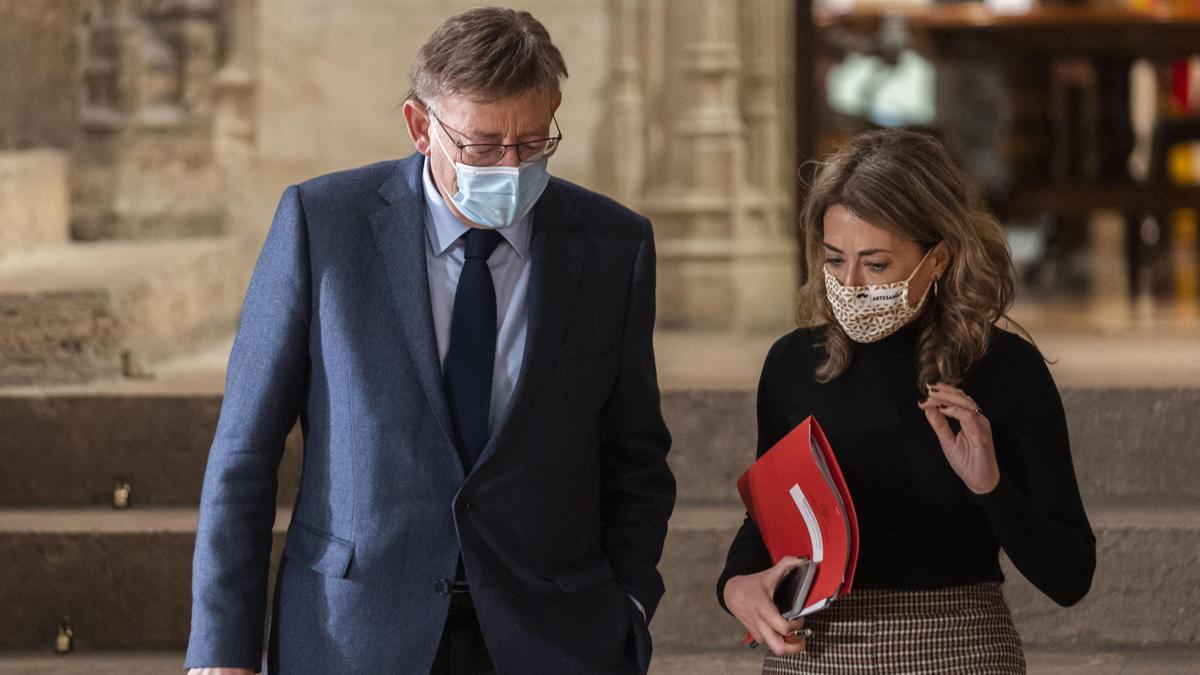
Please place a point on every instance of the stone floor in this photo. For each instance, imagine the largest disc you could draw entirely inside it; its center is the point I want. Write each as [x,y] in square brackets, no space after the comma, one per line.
[1091,345]
[716,663]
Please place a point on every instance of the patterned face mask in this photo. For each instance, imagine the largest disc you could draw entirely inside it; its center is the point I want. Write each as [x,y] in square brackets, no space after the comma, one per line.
[872,312]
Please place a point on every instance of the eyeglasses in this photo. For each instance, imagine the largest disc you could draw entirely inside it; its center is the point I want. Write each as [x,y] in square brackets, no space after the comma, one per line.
[491,154]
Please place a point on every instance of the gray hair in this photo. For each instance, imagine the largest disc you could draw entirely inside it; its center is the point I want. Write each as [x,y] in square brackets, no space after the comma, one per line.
[487,53]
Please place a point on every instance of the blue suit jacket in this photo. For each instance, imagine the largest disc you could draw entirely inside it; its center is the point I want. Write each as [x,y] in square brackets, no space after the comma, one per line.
[564,514]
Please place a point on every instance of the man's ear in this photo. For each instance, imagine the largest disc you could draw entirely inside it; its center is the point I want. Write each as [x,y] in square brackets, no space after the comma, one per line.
[416,119]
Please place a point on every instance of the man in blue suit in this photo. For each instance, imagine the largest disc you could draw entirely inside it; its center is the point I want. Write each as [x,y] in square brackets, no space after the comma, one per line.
[466,342]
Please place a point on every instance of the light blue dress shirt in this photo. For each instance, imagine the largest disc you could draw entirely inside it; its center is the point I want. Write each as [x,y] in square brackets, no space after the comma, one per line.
[445,252]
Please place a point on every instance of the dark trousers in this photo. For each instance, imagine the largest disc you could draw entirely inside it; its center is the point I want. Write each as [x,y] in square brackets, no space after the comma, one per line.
[462,650]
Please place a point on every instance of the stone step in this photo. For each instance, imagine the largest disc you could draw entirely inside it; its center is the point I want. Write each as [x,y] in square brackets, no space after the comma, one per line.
[91,663]
[71,443]
[1121,440]
[71,449]
[35,200]
[740,662]
[1146,595]
[121,578]
[82,311]
[1146,592]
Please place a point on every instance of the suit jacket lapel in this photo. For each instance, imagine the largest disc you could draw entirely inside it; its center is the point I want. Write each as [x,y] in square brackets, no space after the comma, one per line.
[399,232]
[557,254]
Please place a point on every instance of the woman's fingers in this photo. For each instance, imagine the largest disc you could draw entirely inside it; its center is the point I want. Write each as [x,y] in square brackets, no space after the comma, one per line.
[791,644]
[939,424]
[790,631]
[958,406]
[773,640]
[794,639]
[779,634]
[785,565]
[770,614]
[942,398]
[783,645]
[796,632]
[750,599]
[971,422]
[776,573]
[953,396]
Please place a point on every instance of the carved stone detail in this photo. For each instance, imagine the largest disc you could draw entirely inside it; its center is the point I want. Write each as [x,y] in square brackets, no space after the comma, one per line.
[703,95]
[146,156]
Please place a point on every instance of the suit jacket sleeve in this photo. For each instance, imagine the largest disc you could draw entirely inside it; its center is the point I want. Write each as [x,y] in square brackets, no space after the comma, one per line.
[638,488]
[264,392]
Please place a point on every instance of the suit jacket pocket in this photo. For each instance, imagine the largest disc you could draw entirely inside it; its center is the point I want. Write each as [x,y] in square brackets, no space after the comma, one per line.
[583,575]
[319,552]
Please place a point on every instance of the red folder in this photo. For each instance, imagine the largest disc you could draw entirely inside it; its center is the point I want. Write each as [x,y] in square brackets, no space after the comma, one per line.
[798,498]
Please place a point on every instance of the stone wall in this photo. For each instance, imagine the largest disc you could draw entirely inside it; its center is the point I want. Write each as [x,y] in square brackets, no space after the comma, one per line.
[37,72]
[145,166]
[679,108]
[188,118]
[34,200]
[331,76]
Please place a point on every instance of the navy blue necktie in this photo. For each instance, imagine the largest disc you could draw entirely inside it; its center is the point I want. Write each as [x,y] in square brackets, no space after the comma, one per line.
[471,357]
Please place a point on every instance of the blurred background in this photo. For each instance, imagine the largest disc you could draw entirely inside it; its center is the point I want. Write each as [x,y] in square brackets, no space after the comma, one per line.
[145,143]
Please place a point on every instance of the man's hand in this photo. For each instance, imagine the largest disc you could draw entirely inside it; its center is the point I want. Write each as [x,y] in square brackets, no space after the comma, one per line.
[220,671]
[750,598]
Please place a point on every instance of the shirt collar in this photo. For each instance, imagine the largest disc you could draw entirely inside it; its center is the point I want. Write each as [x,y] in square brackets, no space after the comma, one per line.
[444,228]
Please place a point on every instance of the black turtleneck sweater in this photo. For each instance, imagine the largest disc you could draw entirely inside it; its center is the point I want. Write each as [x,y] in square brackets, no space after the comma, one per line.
[920,527]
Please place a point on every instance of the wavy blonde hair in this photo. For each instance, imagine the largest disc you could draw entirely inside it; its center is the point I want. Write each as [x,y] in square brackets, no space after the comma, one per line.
[906,183]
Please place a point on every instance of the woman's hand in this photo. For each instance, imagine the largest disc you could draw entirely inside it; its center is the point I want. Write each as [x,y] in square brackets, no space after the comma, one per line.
[750,598]
[971,453]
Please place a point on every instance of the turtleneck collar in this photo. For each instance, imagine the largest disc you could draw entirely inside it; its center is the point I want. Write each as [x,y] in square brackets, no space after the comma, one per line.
[903,341]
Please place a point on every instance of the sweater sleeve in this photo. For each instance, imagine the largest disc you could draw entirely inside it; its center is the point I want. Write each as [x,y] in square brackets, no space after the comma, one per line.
[748,554]
[1035,511]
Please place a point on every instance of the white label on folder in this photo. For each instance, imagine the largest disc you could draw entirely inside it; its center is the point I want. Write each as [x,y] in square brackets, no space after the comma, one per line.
[810,520]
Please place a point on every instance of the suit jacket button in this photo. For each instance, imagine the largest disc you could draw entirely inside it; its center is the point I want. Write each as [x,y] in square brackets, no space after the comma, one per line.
[468,505]
[443,586]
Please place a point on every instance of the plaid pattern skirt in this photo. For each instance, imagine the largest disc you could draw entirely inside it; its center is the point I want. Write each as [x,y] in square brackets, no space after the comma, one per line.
[963,629]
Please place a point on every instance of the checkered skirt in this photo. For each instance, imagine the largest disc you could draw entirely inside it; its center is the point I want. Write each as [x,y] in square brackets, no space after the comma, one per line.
[963,629]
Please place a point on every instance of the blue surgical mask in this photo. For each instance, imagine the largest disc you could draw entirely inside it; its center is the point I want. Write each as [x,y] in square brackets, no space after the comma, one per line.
[497,196]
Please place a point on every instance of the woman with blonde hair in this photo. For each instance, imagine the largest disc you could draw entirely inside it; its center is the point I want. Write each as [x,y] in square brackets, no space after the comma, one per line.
[949,430]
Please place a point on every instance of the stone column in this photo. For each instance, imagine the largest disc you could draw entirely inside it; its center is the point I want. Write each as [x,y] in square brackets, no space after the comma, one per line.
[234,123]
[723,261]
[145,163]
[624,149]
[771,165]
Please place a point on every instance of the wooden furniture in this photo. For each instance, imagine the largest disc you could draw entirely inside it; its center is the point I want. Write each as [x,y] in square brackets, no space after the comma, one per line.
[1027,48]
